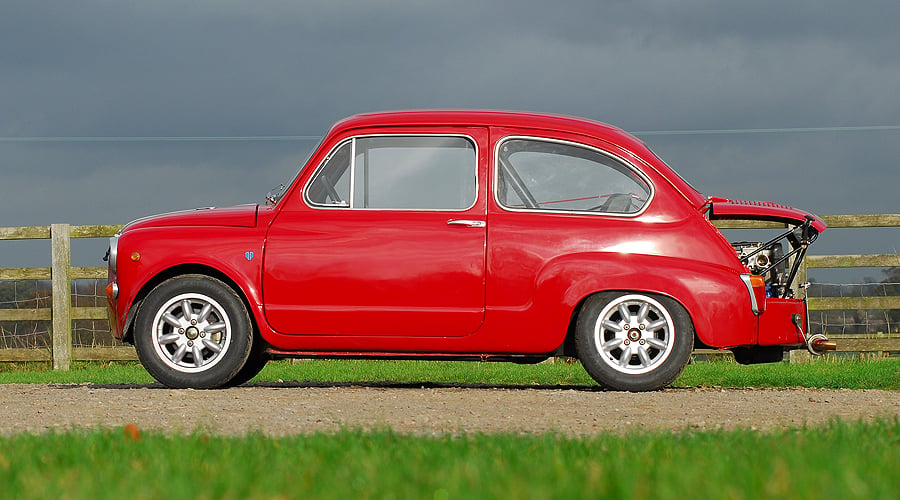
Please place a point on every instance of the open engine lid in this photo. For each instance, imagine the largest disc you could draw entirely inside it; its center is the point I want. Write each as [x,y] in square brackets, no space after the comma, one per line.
[725,209]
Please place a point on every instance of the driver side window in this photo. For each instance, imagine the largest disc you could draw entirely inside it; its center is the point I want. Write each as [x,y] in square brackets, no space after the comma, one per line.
[542,174]
[398,173]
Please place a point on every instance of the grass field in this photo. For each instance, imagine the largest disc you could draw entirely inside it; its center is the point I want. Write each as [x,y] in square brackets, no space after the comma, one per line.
[842,460]
[830,373]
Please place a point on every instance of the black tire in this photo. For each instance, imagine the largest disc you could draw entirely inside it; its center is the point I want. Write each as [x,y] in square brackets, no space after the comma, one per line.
[193,331]
[257,360]
[633,341]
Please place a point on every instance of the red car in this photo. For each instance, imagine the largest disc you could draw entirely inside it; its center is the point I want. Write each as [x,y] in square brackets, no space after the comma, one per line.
[463,235]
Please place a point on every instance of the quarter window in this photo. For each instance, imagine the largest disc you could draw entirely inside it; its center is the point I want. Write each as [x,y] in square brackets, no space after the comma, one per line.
[549,175]
[398,172]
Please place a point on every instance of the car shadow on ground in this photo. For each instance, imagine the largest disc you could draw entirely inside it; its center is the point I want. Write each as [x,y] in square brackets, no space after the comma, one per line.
[307,384]
[421,385]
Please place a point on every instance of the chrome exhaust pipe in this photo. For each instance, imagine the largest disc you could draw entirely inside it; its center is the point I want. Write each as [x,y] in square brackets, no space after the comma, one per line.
[817,344]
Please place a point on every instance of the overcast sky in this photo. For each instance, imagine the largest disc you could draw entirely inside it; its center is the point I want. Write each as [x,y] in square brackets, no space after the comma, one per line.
[111,69]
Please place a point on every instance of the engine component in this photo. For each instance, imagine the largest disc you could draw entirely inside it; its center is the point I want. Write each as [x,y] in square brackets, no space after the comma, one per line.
[766,261]
[757,258]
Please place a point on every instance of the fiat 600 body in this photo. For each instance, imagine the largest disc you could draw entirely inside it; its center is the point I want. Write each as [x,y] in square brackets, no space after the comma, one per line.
[463,235]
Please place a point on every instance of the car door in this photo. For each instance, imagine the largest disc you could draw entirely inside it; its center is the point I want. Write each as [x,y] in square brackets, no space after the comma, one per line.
[388,238]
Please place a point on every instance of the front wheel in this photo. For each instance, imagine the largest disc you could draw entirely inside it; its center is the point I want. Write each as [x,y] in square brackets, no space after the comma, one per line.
[256,361]
[193,331]
[633,341]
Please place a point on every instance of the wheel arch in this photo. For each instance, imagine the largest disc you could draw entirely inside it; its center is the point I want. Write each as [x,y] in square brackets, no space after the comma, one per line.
[567,348]
[184,270]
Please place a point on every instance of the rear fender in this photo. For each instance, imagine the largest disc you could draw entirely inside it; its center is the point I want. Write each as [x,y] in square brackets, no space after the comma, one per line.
[714,296]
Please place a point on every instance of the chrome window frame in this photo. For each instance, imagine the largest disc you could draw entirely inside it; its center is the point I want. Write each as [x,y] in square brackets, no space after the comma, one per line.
[351,206]
[627,164]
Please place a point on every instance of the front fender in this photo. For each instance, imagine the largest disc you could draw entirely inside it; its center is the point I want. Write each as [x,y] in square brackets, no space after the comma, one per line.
[150,256]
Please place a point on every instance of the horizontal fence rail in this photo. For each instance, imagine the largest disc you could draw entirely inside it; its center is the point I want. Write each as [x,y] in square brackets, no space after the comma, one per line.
[61,313]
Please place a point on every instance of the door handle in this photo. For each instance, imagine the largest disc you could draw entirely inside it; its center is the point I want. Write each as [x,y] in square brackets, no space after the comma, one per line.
[467,223]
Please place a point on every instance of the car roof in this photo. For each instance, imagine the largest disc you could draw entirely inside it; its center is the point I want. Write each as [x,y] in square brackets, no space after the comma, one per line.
[521,119]
[486,118]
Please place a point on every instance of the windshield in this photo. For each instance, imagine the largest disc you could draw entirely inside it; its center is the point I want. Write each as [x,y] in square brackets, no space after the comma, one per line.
[277,193]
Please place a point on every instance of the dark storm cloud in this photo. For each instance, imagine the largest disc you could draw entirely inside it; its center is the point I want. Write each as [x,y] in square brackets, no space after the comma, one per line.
[228,68]
[220,68]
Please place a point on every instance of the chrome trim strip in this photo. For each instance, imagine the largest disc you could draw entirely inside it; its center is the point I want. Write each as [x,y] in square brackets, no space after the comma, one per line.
[626,163]
[333,150]
[754,306]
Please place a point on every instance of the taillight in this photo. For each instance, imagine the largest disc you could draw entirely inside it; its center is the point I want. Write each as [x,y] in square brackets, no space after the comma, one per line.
[756,286]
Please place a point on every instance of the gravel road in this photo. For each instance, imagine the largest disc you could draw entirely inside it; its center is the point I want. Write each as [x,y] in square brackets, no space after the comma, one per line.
[290,408]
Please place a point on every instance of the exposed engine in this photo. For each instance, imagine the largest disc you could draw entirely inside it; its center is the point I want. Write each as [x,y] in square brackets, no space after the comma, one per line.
[770,261]
[759,260]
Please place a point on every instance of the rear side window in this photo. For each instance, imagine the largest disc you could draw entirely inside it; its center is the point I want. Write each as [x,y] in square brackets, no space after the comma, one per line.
[540,174]
[398,173]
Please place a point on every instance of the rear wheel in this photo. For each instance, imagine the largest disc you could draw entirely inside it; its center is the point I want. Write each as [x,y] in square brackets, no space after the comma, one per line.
[633,341]
[193,331]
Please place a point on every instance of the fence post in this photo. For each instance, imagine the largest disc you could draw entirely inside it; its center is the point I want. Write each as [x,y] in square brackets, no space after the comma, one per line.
[60,276]
[800,355]
[801,278]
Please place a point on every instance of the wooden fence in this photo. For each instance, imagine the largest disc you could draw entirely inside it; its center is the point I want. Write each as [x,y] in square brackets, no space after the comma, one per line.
[61,314]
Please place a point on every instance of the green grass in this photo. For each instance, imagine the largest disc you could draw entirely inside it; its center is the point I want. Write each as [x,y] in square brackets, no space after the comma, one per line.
[846,373]
[81,372]
[840,460]
[828,373]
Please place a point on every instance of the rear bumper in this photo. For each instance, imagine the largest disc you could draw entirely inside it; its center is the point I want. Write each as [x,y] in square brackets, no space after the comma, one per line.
[777,325]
